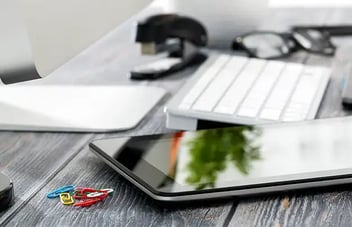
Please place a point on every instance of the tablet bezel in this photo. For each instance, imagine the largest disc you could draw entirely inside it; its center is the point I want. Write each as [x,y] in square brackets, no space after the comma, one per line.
[320,179]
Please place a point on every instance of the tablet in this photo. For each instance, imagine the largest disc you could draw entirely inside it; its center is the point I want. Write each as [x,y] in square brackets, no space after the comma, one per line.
[236,161]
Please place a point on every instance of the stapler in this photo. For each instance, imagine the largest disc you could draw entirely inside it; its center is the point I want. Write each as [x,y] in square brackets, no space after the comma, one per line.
[6,192]
[180,37]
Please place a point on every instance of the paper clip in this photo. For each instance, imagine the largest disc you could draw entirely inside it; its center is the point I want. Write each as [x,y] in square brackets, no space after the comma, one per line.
[56,193]
[66,199]
[81,193]
[79,196]
[99,194]
[87,203]
[108,190]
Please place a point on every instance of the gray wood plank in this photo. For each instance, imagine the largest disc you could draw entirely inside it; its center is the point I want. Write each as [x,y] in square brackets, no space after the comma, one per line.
[32,159]
[127,207]
[309,209]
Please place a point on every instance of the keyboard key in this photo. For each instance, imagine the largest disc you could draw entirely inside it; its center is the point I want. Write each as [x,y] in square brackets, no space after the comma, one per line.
[304,93]
[261,88]
[219,85]
[239,88]
[271,114]
[281,92]
[296,116]
[248,112]
[202,83]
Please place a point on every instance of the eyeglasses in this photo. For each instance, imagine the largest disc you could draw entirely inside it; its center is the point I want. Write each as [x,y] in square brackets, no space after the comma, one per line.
[270,45]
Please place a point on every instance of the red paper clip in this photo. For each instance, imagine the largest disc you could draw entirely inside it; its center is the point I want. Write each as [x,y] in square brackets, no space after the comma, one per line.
[87,203]
[79,196]
[92,200]
[81,193]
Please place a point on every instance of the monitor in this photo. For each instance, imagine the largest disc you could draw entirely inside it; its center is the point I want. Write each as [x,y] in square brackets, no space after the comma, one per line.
[40,35]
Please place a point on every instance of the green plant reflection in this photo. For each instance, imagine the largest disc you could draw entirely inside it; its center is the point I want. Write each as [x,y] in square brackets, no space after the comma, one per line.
[211,151]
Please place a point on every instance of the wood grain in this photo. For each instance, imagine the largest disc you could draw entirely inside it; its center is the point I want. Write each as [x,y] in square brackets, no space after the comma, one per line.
[127,207]
[32,159]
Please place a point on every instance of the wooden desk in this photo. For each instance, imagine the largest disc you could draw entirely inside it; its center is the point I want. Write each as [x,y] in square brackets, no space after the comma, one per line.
[40,162]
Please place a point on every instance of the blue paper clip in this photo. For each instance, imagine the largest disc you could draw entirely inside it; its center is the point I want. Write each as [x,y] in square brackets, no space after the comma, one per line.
[56,193]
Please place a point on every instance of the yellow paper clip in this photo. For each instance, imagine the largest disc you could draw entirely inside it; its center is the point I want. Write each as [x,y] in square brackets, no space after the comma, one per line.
[66,199]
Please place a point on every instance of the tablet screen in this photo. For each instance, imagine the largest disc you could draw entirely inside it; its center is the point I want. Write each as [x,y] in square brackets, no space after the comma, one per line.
[235,157]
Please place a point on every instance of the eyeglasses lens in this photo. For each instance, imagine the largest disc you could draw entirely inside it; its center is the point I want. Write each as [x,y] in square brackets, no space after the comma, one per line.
[266,45]
[314,40]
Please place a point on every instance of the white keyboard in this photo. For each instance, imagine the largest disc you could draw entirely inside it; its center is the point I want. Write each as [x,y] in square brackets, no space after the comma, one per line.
[243,90]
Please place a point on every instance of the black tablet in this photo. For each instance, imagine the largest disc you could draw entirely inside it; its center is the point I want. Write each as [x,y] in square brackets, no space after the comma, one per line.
[237,161]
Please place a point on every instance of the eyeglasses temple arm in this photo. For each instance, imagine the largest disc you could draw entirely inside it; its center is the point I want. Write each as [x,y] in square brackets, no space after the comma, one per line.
[339,30]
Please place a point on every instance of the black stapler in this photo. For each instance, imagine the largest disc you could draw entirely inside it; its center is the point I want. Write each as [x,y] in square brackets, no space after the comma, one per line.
[180,37]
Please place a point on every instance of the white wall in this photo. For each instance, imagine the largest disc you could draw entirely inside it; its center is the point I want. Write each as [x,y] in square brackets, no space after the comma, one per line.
[310,3]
